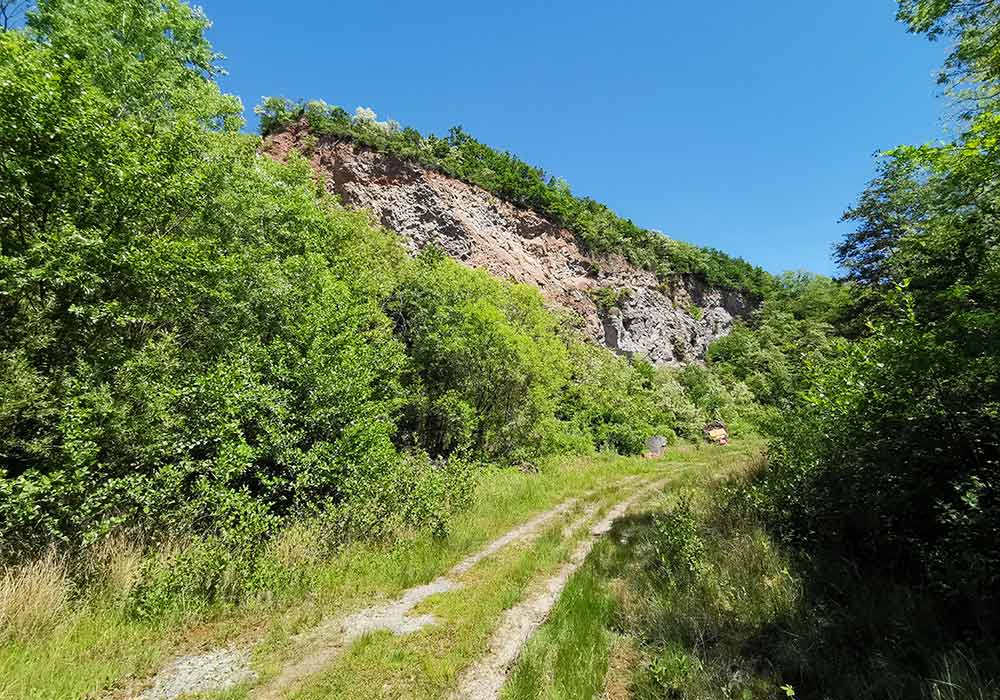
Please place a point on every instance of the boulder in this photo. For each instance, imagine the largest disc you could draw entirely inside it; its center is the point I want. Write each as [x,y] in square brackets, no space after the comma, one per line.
[655,446]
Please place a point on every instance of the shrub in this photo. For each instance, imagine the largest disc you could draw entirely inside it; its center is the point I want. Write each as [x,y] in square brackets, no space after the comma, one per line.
[250,560]
[675,408]
[485,353]
[189,334]
[608,298]
[675,538]
[892,450]
[417,494]
[608,400]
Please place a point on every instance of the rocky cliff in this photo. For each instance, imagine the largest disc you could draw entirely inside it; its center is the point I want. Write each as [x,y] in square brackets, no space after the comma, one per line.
[668,324]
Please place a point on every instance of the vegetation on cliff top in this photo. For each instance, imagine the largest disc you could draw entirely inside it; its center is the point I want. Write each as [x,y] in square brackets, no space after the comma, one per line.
[460,155]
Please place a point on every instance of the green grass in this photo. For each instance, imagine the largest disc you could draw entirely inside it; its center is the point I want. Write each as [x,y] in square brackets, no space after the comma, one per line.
[676,611]
[97,646]
[426,664]
[568,658]
[695,600]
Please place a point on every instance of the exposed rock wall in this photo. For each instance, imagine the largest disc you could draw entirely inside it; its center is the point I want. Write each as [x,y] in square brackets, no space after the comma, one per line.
[427,207]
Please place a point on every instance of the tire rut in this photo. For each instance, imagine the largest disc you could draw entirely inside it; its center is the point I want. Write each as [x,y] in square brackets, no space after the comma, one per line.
[327,641]
[485,678]
[320,646]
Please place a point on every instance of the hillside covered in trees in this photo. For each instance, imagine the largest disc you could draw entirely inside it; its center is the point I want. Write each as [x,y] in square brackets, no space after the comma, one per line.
[207,361]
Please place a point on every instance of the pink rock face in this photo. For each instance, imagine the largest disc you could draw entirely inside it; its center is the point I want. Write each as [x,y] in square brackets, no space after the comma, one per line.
[426,207]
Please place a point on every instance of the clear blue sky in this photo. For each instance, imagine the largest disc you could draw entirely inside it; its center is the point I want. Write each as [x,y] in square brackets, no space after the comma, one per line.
[747,126]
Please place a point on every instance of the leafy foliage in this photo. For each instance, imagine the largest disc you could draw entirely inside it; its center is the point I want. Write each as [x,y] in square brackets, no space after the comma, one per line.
[678,547]
[796,327]
[608,298]
[892,455]
[185,327]
[196,342]
[974,61]
[485,354]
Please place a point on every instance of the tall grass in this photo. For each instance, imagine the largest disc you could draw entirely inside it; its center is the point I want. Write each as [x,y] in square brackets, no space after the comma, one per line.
[112,566]
[94,636]
[33,597]
[705,604]
[38,594]
[960,678]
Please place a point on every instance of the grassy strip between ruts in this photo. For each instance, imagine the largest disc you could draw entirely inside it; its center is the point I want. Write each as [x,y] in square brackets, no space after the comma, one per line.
[619,628]
[100,648]
[426,663]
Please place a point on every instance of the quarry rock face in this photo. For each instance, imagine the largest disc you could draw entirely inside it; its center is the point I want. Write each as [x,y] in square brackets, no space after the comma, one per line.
[668,323]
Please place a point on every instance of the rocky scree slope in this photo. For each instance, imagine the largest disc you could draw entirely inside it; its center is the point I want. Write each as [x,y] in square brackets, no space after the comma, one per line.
[667,323]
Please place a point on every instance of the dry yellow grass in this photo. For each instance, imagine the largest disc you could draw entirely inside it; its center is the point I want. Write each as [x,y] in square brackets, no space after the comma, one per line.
[300,544]
[114,565]
[622,663]
[33,596]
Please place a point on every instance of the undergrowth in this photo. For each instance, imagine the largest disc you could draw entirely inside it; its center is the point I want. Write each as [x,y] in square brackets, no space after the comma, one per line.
[703,602]
[82,622]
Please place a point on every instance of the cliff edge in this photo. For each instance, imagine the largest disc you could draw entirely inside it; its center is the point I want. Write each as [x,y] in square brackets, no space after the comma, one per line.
[625,307]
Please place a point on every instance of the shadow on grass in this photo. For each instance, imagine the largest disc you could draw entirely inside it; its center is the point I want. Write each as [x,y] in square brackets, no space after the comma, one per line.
[719,610]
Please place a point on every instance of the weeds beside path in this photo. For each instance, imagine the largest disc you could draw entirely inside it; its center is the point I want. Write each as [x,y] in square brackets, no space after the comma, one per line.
[483,679]
[93,648]
[694,598]
[510,591]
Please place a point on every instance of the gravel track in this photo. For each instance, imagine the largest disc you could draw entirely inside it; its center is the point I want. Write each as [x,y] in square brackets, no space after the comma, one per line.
[319,647]
[325,642]
[217,670]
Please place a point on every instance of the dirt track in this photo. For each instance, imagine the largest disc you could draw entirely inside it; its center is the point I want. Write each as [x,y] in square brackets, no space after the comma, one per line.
[319,647]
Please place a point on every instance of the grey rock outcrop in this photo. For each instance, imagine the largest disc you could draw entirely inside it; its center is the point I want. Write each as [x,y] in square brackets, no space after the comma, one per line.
[668,324]
[655,446]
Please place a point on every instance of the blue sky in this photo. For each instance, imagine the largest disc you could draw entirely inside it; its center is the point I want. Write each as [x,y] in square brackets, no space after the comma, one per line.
[747,126]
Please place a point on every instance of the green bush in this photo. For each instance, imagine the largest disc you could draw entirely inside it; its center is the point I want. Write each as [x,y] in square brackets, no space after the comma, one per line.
[679,549]
[891,457]
[891,451]
[188,334]
[485,356]
[608,400]
[243,562]
[715,399]
[607,298]
[196,342]
[416,494]
[792,329]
